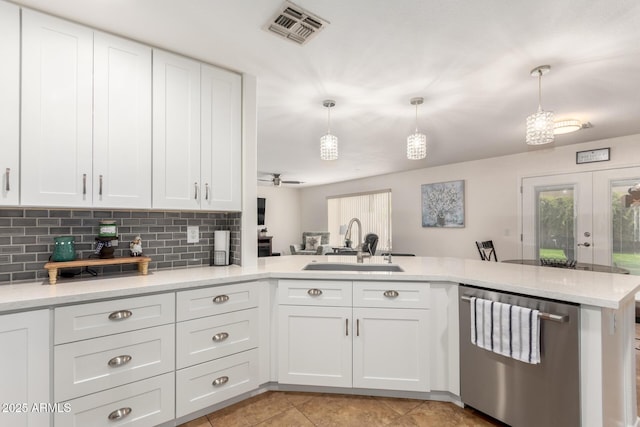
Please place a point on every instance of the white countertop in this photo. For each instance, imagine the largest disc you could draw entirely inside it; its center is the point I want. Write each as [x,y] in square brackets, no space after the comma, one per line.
[582,287]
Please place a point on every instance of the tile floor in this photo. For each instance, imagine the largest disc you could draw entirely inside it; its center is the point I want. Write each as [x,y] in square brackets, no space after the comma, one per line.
[314,409]
[277,408]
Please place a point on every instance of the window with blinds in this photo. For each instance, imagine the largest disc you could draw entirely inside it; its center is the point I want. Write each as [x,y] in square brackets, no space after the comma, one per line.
[372,209]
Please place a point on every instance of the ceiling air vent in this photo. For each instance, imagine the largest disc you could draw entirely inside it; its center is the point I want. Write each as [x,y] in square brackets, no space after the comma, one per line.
[296,24]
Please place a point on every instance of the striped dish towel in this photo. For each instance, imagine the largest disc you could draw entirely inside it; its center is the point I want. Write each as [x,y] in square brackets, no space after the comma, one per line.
[506,329]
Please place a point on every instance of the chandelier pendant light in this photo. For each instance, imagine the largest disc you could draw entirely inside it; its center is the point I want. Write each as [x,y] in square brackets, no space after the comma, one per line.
[540,124]
[417,142]
[328,142]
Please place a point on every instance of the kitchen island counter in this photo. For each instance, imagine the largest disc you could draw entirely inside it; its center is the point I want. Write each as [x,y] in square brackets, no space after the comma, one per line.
[588,288]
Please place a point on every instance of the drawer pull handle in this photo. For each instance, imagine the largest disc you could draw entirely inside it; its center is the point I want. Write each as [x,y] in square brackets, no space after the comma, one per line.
[119,360]
[120,315]
[119,414]
[391,294]
[220,381]
[221,336]
[220,299]
[314,292]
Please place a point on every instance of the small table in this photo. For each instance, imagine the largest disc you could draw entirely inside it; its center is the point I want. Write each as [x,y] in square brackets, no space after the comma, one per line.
[344,250]
[579,266]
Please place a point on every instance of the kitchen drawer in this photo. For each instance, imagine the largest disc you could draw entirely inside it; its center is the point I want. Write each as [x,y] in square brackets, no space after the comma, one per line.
[216,300]
[391,294]
[334,293]
[209,383]
[88,366]
[150,402]
[91,320]
[201,340]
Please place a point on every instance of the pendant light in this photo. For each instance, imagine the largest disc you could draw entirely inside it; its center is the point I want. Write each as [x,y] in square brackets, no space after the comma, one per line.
[417,142]
[540,124]
[328,142]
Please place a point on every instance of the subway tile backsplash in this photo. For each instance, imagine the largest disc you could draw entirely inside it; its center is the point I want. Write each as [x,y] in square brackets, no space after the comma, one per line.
[26,238]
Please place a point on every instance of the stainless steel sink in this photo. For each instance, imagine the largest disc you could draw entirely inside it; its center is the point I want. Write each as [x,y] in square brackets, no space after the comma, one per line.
[339,266]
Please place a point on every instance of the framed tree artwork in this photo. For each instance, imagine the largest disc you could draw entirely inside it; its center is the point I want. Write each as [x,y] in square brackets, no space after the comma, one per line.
[443,204]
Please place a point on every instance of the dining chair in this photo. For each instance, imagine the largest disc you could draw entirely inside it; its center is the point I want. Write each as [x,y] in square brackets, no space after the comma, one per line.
[486,250]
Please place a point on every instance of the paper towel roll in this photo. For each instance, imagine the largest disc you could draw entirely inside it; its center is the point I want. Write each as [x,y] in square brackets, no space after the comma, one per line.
[221,246]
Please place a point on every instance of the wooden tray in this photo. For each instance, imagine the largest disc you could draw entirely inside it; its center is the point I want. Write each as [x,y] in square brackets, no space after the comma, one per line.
[53,267]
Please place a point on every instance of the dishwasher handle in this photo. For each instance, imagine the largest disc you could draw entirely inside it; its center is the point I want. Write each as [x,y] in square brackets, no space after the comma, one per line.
[543,316]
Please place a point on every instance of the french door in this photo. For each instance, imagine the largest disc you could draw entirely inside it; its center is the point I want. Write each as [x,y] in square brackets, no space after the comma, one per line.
[590,217]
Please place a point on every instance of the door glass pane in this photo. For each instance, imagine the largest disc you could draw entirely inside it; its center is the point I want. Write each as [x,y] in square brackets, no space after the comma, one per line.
[555,225]
[625,227]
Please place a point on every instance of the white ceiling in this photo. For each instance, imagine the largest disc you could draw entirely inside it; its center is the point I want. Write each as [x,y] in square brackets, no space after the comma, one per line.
[469,59]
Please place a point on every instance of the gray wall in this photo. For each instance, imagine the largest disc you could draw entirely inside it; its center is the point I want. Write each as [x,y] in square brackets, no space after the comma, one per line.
[26,238]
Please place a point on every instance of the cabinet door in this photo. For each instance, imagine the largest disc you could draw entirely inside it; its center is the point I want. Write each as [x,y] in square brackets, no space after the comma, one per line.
[221,139]
[9,103]
[57,66]
[390,349]
[121,123]
[24,377]
[314,345]
[176,132]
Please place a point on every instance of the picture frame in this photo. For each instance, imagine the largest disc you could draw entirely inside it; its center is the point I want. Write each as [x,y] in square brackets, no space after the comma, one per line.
[591,156]
[443,204]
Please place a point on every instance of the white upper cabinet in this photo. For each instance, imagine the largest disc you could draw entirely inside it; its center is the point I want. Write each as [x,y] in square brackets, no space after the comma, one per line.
[196,135]
[121,123]
[57,63]
[176,132]
[9,103]
[221,139]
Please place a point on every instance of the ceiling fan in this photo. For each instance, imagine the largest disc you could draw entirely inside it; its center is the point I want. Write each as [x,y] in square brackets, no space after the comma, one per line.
[277,181]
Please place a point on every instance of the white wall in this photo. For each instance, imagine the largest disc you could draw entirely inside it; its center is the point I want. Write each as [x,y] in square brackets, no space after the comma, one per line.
[282,216]
[492,197]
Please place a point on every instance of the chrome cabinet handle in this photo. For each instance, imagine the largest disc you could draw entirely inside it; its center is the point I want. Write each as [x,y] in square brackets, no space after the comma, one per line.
[220,381]
[119,360]
[84,183]
[220,299]
[120,315]
[119,414]
[206,191]
[100,186]
[314,292]
[195,186]
[221,336]
[346,327]
[357,327]
[391,294]
[7,172]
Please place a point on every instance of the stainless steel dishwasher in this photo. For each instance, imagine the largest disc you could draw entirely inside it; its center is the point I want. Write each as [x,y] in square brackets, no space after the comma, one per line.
[517,393]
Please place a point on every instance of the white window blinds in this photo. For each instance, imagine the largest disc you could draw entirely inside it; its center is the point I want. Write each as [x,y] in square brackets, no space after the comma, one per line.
[372,209]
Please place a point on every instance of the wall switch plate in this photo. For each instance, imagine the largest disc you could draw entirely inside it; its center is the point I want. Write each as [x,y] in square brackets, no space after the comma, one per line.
[193,234]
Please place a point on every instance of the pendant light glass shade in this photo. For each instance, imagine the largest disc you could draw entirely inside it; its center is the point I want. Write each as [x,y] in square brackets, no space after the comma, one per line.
[540,124]
[417,142]
[328,142]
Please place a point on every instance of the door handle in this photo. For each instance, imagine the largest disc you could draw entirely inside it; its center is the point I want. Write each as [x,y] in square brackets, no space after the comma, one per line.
[7,173]
[585,244]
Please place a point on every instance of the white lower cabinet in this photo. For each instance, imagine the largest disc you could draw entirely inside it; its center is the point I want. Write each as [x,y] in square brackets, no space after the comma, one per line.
[217,340]
[314,345]
[114,362]
[212,382]
[378,339]
[24,376]
[391,349]
[143,403]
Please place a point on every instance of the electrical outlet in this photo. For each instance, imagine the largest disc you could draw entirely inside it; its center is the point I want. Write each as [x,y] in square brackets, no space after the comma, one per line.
[193,234]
